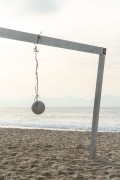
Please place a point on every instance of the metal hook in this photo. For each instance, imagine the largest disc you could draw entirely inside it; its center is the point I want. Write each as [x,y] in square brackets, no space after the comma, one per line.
[39,37]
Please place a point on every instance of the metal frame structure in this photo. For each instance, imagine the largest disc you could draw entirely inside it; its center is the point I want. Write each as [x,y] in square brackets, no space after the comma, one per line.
[44,40]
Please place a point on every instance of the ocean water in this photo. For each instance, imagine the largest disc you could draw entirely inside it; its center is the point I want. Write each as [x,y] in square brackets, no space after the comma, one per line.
[60,118]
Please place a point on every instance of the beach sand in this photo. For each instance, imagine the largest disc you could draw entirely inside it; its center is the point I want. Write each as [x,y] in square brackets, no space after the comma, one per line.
[60,155]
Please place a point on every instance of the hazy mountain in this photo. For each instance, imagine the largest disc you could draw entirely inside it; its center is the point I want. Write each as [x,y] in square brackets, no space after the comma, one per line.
[68,102]
[106,101]
[110,101]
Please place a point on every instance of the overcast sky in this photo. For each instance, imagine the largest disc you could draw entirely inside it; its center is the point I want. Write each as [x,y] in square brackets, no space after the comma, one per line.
[61,72]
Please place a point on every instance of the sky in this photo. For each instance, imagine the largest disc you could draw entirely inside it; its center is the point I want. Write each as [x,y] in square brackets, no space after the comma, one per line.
[62,73]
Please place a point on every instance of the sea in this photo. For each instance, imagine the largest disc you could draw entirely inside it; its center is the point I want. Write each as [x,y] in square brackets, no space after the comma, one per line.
[60,118]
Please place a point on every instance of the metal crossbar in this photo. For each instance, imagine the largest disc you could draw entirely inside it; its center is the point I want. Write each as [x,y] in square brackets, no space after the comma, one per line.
[44,40]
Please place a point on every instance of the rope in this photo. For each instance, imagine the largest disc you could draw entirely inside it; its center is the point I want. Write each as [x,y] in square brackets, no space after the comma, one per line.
[36,73]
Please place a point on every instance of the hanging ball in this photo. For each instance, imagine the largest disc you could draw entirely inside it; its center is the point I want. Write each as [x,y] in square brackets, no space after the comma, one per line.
[38,107]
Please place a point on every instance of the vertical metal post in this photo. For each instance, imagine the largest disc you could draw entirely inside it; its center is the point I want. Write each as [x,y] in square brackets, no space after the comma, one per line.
[97,105]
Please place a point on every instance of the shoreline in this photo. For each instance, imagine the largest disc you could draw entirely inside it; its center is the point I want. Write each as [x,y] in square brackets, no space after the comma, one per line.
[53,129]
[53,154]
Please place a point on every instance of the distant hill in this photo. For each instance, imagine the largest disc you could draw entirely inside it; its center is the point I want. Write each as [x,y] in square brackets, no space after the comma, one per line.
[68,102]
[110,101]
[106,101]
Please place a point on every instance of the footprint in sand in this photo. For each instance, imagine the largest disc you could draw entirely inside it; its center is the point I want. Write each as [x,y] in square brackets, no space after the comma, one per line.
[115,176]
[41,178]
[47,174]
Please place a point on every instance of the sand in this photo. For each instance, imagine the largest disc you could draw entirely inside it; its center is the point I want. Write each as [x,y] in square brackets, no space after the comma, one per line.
[60,155]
